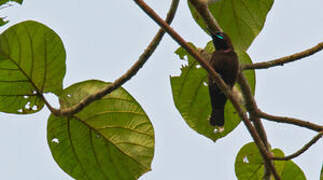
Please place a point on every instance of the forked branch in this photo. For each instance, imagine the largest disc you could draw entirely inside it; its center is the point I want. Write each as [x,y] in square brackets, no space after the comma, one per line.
[218,80]
[252,108]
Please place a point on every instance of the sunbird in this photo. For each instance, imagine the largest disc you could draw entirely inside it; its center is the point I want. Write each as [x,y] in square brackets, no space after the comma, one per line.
[225,62]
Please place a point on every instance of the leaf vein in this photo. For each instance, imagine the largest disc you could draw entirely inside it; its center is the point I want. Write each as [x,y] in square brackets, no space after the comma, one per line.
[125,128]
[73,148]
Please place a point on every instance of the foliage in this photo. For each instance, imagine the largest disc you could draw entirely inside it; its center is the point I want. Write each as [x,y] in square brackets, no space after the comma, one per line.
[110,139]
[113,138]
[249,165]
[32,62]
[120,137]
[243,20]
[191,95]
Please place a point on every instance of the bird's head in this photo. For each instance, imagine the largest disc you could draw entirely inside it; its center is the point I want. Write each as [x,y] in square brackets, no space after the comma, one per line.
[221,41]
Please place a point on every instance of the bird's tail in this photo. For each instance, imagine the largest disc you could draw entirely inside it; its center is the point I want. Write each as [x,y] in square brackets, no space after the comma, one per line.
[217,117]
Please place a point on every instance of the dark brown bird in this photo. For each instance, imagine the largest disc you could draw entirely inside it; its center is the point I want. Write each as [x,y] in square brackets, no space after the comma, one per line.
[225,62]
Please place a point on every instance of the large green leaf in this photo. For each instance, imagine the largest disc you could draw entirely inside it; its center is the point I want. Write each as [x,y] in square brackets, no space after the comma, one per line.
[32,62]
[249,165]
[242,20]
[191,96]
[111,138]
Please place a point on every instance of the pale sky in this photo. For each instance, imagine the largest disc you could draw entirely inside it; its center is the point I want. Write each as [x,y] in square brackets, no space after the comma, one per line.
[103,39]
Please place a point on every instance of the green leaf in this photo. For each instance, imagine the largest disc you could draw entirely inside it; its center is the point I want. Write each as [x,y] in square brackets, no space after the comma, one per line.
[32,62]
[249,165]
[112,138]
[2,2]
[242,20]
[191,96]
[3,22]
[18,1]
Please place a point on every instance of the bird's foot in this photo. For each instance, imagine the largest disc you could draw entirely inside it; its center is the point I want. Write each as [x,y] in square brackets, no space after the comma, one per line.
[218,129]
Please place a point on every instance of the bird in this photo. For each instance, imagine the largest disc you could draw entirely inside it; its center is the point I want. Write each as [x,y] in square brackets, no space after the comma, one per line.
[224,61]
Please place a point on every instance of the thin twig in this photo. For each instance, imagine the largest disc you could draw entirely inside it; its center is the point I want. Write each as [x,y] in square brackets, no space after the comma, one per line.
[284,60]
[125,77]
[218,80]
[201,7]
[289,120]
[302,150]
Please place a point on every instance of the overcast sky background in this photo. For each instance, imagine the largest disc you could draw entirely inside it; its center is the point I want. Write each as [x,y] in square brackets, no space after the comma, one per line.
[104,38]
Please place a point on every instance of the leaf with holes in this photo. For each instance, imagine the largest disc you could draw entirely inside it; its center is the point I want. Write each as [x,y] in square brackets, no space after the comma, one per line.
[32,62]
[242,20]
[249,165]
[112,138]
[191,95]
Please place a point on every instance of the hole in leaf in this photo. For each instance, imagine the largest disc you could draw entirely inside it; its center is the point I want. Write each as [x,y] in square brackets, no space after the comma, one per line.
[69,95]
[27,106]
[185,63]
[55,140]
[205,83]
[53,99]
[19,110]
[26,97]
[34,92]
[198,66]
[245,159]
[35,107]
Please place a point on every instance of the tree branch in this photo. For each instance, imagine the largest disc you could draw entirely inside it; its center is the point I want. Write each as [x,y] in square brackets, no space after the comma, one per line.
[252,109]
[201,7]
[302,150]
[289,120]
[125,77]
[218,80]
[284,60]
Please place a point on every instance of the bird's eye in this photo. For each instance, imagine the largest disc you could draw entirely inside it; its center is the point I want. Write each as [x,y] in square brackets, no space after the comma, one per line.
[219,36]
